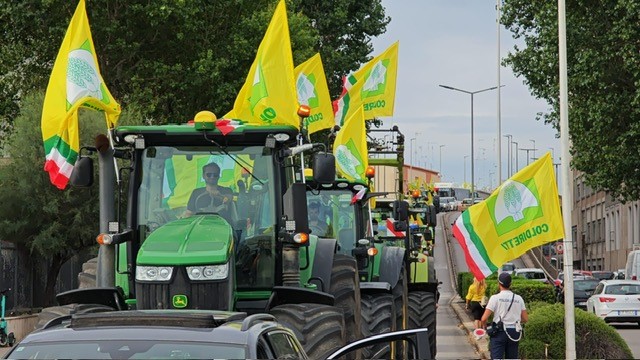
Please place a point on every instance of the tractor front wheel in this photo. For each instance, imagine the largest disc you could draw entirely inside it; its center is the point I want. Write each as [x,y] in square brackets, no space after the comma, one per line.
[378,317]
[50,313]
[422,314]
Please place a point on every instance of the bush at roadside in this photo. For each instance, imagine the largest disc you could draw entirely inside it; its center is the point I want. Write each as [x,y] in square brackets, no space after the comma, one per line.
[544,336]
[530,290]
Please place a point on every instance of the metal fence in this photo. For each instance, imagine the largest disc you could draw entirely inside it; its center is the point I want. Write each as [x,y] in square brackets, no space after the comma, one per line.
[26,274]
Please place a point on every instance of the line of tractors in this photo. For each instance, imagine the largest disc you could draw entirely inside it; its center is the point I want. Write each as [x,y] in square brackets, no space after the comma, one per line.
[255,251]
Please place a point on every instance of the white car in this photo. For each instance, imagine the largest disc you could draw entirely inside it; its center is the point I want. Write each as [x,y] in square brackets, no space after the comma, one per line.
[532,274]
[616,301]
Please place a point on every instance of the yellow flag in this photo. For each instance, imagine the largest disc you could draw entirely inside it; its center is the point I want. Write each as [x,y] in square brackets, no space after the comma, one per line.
[524,212]
[75,81]
[268,95]
[378,78]
[311,85]
[350,148]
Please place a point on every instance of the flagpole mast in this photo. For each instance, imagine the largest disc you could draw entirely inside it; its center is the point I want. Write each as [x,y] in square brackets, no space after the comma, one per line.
[569,323]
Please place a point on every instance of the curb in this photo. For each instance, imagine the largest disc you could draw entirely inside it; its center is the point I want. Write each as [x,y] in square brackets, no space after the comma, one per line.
[481,345]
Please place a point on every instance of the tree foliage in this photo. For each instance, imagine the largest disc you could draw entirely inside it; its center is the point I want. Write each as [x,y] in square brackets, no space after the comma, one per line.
[603,58]
[175,58]
[51,223]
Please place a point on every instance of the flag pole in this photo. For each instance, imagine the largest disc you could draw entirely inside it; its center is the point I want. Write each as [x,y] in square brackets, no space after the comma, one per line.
[567,186]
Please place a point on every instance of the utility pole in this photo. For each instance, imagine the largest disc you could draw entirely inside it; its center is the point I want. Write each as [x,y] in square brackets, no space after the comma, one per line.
[534,147]
[465,168]
[509,164]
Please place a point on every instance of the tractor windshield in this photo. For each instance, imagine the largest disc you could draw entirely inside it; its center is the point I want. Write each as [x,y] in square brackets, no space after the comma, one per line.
[179,182]
[331,215]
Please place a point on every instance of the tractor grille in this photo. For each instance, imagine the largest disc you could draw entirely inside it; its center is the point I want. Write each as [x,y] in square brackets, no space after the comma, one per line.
[209,295]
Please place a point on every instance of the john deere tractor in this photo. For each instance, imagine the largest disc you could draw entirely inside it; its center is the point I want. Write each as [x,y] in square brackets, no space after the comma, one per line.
[245,249]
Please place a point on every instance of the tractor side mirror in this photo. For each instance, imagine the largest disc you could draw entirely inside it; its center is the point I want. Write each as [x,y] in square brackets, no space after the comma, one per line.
[82,174]
[324,168]
[400,210]
[295,206]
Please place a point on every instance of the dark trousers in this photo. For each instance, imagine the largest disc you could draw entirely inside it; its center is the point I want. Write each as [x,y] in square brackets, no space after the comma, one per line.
[502,347]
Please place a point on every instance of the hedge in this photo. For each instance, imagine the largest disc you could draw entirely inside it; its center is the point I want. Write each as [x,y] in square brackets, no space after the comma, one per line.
[594,338]
[530,290]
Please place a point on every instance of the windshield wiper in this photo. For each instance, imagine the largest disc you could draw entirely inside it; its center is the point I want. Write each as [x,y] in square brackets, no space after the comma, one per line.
[232,157]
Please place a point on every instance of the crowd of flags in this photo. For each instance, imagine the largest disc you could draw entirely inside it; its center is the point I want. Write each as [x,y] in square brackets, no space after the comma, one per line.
[521,214]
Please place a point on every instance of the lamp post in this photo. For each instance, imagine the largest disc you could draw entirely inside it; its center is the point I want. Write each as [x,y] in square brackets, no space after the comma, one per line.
[410,160]
[440,168]
[517,156]
[465,168]
[534,147]
[508,136]
[473,193]
[527,150]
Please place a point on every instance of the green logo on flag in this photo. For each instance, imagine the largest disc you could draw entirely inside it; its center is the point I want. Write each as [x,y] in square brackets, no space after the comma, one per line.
[306,89]
[259,88]
[376,80]
[516,204]
[349,160]
[179,301]
[82,77]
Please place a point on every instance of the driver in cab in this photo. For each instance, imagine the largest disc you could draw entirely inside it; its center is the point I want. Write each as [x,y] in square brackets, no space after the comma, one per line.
[212,195]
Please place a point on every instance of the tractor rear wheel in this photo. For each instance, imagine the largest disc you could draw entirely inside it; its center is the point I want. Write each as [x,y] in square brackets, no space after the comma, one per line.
[87,277]
[319,328]
[422,314]
[50,313]
[378,316]
[345,287]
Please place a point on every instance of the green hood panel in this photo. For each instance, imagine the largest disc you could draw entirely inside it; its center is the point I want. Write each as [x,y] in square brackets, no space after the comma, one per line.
[196,240]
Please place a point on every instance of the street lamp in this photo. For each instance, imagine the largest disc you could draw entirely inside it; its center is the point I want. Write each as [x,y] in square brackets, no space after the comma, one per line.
[517,155]
[473,193]
[534,147]
[508,136]
[465,168]
[440,168]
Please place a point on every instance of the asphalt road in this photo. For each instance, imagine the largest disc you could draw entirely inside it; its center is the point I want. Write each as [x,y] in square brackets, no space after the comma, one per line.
[452,340]
[631,334]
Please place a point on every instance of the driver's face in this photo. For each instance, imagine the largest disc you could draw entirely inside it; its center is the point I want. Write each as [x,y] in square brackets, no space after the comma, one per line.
[211,176]
[313,213]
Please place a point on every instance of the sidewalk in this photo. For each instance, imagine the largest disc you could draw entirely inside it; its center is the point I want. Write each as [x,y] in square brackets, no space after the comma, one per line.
[481,345]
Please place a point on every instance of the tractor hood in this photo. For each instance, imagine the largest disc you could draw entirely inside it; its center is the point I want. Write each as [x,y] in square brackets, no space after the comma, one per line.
[196,240]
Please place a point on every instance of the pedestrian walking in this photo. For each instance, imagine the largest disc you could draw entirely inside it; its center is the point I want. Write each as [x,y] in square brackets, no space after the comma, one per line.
[509,313]
[475,297]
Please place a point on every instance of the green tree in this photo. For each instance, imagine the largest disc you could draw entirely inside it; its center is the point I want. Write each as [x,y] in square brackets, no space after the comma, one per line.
[603,76]
[54,224]
[345,29]
[175,58]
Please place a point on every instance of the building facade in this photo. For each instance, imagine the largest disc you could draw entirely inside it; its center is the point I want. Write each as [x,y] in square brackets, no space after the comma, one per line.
[604,229]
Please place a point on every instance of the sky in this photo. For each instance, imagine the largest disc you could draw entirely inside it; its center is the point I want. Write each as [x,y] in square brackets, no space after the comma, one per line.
[455,43]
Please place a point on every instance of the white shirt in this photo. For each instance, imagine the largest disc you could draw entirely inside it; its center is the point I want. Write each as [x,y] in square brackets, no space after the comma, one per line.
[499,304]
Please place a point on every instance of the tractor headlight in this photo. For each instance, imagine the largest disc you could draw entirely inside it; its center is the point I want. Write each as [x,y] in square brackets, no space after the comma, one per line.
[208,272]
[154,273]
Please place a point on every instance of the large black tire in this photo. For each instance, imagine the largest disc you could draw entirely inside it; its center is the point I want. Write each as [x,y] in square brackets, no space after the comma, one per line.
[400,303]
[378,316]
[422,314]
[319,328]
[50,313]
[87,277]
[345,287]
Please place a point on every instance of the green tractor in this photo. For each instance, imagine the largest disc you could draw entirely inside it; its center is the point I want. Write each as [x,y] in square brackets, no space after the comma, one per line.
[167,243]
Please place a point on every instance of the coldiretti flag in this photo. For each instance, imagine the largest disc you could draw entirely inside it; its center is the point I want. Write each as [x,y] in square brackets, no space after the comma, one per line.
[75,81]
[350,148]
[524,212]
[268,96]
[313,91]
[378,78]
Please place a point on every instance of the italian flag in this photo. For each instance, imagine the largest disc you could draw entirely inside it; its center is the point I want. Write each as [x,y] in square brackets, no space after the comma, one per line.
[475,253]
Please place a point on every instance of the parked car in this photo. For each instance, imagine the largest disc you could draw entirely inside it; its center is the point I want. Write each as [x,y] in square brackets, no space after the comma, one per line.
[632,269]
[183,334]
[577,275]
[582,290]
[603,275]
[616,301]
[620,274]
[508,267]
[532,274]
